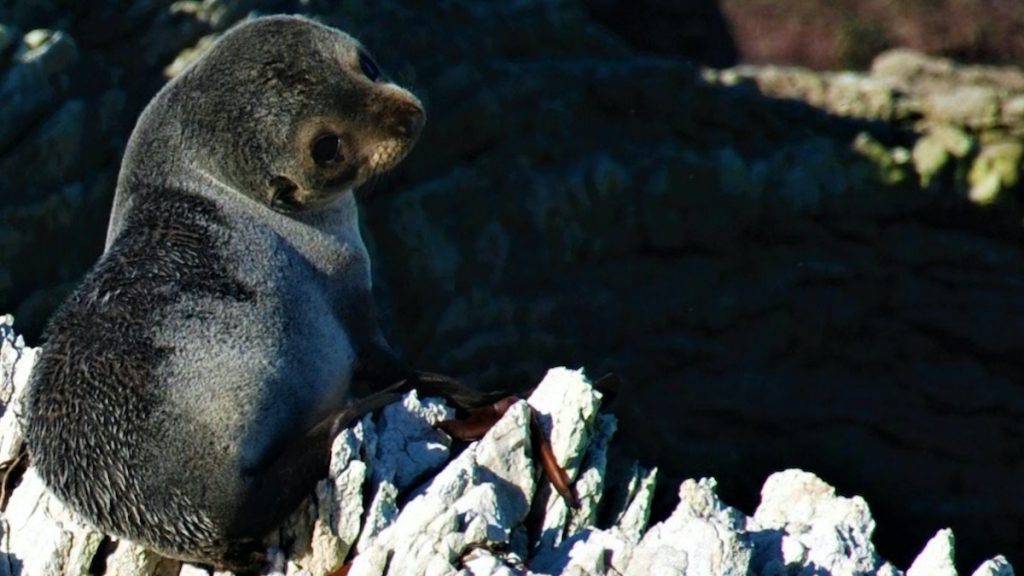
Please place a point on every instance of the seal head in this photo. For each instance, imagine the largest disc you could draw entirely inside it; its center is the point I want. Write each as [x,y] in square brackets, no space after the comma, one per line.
[289,112]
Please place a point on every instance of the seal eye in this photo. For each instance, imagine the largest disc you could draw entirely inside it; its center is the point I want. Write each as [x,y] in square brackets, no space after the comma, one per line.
[368,66]
[327,149]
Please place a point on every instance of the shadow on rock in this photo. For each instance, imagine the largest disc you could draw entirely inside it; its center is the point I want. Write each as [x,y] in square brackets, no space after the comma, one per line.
[10,565]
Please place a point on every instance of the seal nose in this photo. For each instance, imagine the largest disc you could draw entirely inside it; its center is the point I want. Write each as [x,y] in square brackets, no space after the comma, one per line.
[408,120]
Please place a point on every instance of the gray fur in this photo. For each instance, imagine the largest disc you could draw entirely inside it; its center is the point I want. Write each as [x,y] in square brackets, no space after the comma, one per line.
[186,390]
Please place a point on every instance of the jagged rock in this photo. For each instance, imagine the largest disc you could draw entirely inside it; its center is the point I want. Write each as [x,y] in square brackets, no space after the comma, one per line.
[997,566]
[16,362]
[566,406]
[937,557]
[133,560]
[703,536]
[406,444]
[475,501]
[43,536]
[470,517]
[818,527]
[590,482]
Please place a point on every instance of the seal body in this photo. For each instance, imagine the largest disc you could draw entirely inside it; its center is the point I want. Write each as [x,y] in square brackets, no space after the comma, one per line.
[187,390]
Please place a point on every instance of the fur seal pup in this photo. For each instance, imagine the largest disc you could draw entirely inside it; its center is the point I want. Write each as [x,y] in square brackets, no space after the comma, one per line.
[188,390]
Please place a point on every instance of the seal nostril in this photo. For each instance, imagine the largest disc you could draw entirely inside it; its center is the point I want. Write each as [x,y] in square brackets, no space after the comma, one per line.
[409,121]
[415,121]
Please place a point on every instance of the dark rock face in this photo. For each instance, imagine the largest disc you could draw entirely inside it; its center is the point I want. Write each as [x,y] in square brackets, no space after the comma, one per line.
[790,269]
[73,78]
[695,30]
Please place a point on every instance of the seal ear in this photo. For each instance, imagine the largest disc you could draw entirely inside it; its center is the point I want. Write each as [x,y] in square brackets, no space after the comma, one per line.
[283,193]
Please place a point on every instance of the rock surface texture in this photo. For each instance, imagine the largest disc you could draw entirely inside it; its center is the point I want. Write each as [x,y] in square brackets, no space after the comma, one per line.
[790,269]
[400,503]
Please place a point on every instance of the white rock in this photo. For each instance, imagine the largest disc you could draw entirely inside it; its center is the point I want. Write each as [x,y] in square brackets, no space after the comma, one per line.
[591,551]
[133,560]
[130,560]
[476,500]
[190,570]
[338,505]
[886,570]
[373,562]
[937,557]
[832,532]
[632,520]
[565,404]
[16,363]
[43,535]
[702,536]
[591,481]
[407,443]
[997,566]
[793,551]
[483,563]
[381,514]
